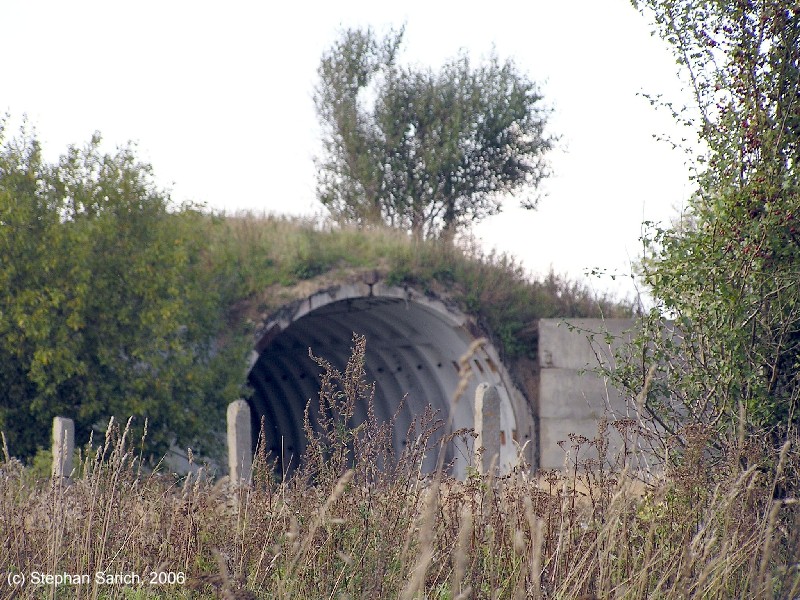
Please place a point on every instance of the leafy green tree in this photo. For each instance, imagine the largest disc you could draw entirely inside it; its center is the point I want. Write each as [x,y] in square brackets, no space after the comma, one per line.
[107,305]
[729,272]
[428,152]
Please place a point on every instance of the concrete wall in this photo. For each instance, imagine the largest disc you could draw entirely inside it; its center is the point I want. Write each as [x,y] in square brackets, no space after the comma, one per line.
[573,398]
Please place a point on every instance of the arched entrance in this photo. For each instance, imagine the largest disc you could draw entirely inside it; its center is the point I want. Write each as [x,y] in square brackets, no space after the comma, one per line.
[414,344]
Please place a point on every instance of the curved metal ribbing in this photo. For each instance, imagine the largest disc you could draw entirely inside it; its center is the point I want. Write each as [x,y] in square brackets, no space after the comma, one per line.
[413,349]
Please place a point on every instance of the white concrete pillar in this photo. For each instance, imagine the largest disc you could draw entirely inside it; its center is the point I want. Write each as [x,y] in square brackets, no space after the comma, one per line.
[487,425]
[240,442]
[63,446]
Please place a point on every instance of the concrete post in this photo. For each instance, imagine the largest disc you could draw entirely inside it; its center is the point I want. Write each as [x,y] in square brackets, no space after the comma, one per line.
[487,425]
[240,442]
[63,446]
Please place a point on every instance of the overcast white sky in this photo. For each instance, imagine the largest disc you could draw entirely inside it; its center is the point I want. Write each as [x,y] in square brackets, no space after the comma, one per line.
[218,97]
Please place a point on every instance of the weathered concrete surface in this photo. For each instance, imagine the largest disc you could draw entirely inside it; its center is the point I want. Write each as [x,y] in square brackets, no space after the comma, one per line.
[488,427]
[579,343]
[575,396]
[240,442]
[572,397]
[63,446]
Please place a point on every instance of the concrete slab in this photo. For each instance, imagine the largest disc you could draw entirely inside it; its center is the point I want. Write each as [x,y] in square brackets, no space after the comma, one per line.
[63,446]
[240,442]
[569,394]
[561,347]
[487,425]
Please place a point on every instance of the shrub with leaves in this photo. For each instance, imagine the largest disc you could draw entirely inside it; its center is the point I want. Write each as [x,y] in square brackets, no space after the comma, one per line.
[107,303]
[728,272]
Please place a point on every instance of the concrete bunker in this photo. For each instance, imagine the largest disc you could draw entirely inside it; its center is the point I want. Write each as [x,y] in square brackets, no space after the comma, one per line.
[414,343]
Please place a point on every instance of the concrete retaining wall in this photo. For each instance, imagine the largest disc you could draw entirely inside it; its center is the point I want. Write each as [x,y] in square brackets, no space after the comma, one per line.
[573,398]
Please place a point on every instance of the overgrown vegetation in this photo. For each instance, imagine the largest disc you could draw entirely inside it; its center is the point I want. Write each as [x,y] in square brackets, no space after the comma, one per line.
[356,519]
[116,301]
[278,259]
[107,306]
[355,522]
[728,273]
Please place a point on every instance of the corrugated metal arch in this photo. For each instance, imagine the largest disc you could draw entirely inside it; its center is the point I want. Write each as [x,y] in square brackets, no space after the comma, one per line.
[414,343]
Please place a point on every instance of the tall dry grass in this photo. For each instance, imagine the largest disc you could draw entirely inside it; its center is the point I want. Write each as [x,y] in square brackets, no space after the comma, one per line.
[358,521]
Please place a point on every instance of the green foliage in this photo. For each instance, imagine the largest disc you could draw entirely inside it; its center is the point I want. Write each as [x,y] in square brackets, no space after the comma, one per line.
[106,305]
[427,152]
[273,252]
[729,272]
[114,302]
